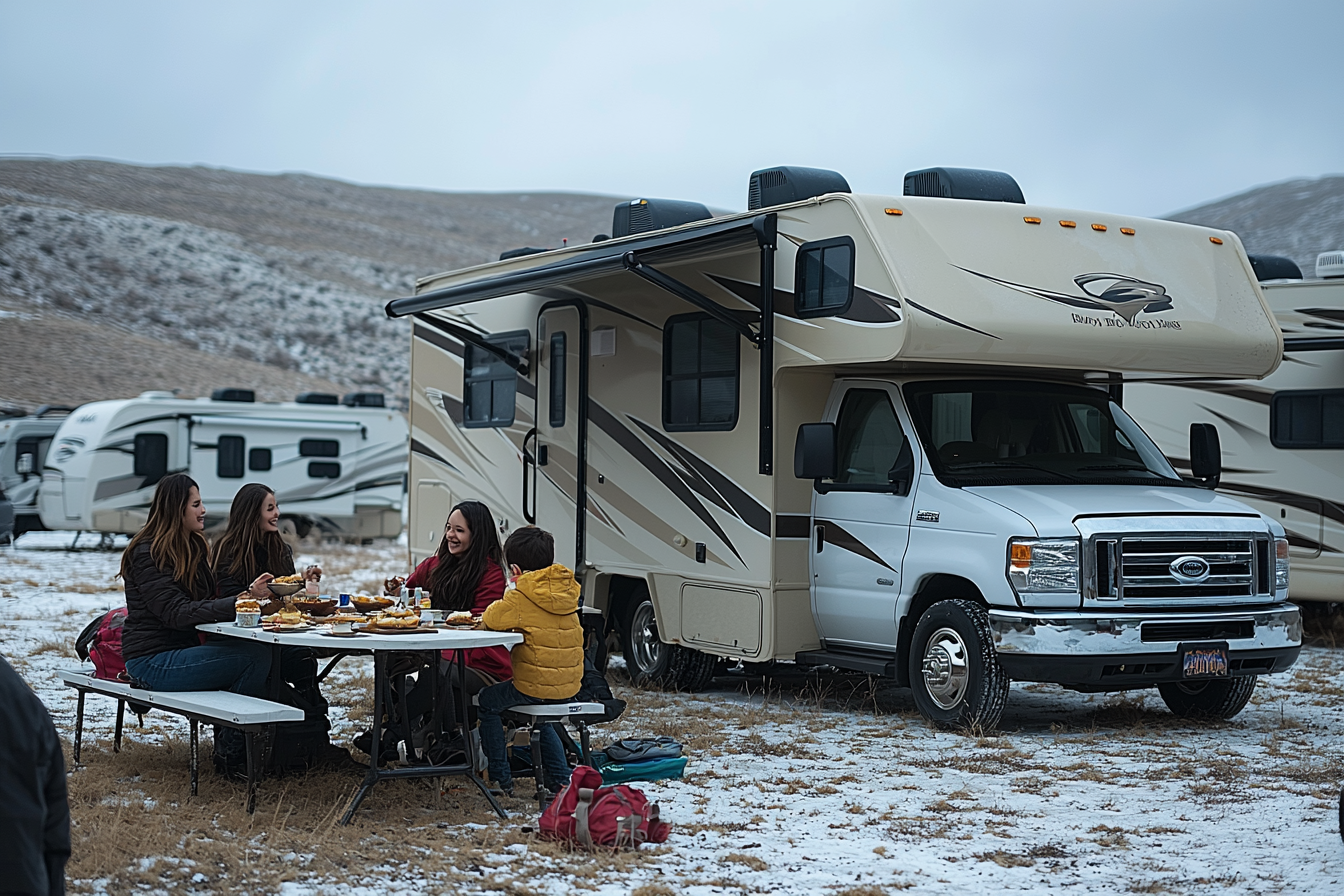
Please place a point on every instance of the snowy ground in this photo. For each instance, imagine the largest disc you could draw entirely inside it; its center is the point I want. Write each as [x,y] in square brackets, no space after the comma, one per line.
[800,785]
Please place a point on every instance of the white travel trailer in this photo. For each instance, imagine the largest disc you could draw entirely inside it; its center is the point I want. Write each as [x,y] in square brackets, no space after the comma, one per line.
[24,440]
[873,432]
[1284,444]
[338,467]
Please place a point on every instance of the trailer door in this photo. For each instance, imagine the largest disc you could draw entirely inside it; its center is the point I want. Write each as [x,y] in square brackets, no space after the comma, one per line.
[859,534]
[558,480]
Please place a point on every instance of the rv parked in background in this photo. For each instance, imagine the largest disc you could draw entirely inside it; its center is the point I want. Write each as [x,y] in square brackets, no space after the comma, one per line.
[339,467]
[1283,436]
[878,433]
[24,440]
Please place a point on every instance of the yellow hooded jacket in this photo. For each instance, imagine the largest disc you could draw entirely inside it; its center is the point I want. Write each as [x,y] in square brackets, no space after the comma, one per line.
[544,606]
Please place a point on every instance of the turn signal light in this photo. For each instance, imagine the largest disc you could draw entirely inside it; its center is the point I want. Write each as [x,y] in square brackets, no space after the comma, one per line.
[1068,223]
[893,211]
[1021,556]
[1032,220]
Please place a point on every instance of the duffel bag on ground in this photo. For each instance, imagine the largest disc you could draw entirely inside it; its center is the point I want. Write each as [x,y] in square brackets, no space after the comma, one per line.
[647,770]
[587,814]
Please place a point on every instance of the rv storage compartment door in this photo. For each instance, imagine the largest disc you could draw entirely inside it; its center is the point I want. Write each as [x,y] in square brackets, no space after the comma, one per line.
[726,618]
[559,367]
[860,529]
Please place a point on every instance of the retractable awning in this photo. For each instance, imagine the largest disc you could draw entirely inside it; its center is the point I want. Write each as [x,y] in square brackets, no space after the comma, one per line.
[602,259]
[1313,344]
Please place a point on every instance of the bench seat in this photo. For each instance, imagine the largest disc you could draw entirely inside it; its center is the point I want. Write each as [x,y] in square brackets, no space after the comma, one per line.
[248,714]
[578,713]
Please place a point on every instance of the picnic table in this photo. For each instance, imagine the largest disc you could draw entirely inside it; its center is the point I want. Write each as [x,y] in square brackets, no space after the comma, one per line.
[382,646]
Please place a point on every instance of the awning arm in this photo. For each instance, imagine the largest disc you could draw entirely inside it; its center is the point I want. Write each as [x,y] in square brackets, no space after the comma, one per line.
[682,291]
[471,337]
[765,228]
[1313,344]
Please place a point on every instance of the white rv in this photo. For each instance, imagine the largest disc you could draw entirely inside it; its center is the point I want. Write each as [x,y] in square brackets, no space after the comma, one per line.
[873,432]
[337,467]
[24,440]
[1284,434]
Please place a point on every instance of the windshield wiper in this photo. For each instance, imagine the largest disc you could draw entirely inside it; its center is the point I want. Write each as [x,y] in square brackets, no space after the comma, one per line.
[1135,467]
[1010,465]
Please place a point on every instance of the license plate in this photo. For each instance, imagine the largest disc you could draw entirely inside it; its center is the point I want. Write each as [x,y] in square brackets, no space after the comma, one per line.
[1204,660]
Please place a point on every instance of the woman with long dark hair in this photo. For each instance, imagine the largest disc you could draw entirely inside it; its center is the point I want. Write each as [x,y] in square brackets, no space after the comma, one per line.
[170,589]
[251,546]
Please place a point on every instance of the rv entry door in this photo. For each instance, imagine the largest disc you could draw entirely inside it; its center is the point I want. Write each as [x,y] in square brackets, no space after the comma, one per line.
[559,485]
[860,528]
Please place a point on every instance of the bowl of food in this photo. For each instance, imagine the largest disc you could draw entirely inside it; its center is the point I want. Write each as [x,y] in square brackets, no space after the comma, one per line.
[285,589]
[365,604]
[316,606]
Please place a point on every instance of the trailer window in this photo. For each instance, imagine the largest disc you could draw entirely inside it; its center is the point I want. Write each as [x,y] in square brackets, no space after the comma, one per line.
[701,367]
[36,446]
[320,469]
[868,438]
[489,384]
[151,456]
[558,380]
[319,448]
[229,453]
[824,277]
[259,459]
[1307,419]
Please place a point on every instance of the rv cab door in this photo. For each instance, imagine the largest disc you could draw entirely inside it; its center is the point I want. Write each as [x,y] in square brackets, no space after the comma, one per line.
[556,484]
[861,526]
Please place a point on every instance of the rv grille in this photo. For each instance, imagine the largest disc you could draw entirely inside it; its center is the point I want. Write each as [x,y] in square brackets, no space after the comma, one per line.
[1226,630]
[1144,570]
[925,183]
[641,219]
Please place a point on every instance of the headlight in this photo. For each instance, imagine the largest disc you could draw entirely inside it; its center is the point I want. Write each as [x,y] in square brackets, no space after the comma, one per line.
[1280,564]
[1037,565]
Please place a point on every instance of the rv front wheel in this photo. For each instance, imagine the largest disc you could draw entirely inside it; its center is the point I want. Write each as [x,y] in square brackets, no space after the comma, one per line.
[1208,699]
[647,658]
[954,672]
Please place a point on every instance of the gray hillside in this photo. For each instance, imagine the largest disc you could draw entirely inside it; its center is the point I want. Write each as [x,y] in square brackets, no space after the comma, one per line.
[1296,218]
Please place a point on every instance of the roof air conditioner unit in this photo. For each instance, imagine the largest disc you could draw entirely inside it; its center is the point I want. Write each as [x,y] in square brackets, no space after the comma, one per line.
[1330,265]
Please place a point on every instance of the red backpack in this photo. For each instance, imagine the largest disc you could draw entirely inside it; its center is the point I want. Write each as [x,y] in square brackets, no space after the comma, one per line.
[101,642]
[588,814]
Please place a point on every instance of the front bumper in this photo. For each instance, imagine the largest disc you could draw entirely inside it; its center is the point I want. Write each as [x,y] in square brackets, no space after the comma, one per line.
[1102,651]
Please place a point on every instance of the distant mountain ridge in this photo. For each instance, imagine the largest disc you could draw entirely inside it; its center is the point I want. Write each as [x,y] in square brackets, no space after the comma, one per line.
[1298,218]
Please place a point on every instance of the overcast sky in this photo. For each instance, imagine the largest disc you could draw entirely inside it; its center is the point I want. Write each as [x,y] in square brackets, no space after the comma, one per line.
[1131,107]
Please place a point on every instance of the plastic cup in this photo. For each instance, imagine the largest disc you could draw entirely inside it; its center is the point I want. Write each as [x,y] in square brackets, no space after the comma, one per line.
[342,628]
[247,619]
[343,601]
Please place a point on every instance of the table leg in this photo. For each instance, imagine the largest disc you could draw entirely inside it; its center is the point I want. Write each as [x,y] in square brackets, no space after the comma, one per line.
[195,755]
[79,725]
[376,747]
[121,714]
[469,734]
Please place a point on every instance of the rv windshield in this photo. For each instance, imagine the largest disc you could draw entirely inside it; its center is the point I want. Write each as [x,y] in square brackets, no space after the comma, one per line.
[1013,433]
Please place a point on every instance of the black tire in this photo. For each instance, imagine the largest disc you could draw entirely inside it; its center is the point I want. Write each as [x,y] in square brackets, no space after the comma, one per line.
[647,658]
[954,671]
[692,670]
[1218,699]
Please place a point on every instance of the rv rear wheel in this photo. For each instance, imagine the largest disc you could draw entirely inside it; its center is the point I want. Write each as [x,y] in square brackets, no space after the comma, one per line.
[954,672]
[692,670]
[1217,699]
[647,658]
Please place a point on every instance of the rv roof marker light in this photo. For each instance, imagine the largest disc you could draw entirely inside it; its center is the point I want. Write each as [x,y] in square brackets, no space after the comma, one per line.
[893,211]
[1068,223]
[1031,220]
[1215,240]
[1099,228]
[1127,231]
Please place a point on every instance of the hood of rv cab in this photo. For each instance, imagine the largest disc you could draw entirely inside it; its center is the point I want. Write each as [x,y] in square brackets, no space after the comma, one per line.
[1028,285]
[1052,509]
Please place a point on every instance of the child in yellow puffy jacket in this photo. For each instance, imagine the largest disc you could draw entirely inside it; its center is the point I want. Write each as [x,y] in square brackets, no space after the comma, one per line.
[543,604]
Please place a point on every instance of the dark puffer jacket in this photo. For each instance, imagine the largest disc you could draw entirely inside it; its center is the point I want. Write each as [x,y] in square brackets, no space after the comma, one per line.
[229,586]
[161,613]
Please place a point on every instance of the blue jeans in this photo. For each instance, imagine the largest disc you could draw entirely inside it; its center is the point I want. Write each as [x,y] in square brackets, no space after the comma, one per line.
[492,701]
[238,666]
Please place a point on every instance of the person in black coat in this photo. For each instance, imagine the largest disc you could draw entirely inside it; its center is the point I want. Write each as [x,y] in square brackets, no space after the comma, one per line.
[34,811]
[170,590]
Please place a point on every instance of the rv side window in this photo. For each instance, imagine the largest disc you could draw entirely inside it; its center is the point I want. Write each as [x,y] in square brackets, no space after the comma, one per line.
[36,446]
[319,469]
[824,277]
[557,380]
[229,457]
[700,374]
[151,456]
[489,384]
[868,438]
[259,459]
[319,448]
[1304,419]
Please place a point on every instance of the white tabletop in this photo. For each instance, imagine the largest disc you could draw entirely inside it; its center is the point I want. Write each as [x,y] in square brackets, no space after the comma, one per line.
[440,639]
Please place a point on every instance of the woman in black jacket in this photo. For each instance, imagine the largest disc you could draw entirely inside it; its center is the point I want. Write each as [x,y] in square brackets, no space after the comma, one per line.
[251,547]
[170,590]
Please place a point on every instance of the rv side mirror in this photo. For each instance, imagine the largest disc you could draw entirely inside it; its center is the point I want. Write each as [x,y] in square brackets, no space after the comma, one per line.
[902,473]
[1206,455]
[24,464]
[814,451]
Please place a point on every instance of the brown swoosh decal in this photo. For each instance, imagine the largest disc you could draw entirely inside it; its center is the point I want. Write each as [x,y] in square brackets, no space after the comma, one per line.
[943,317]
[434,337]
[1329,509]
[792,525]
[837,535]
[419,447]
[641,452]
[1246,393]
[867,306]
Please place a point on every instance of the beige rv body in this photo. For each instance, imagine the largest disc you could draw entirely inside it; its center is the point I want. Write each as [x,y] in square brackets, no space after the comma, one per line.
[940,286]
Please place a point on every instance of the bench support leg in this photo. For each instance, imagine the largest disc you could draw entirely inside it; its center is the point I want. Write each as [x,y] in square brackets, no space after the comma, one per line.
[121,716]
[195,755]
[253,769]
[79,725]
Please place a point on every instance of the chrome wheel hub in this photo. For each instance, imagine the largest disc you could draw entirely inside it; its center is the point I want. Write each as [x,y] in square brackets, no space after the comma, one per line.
[945,668]
[647,647]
